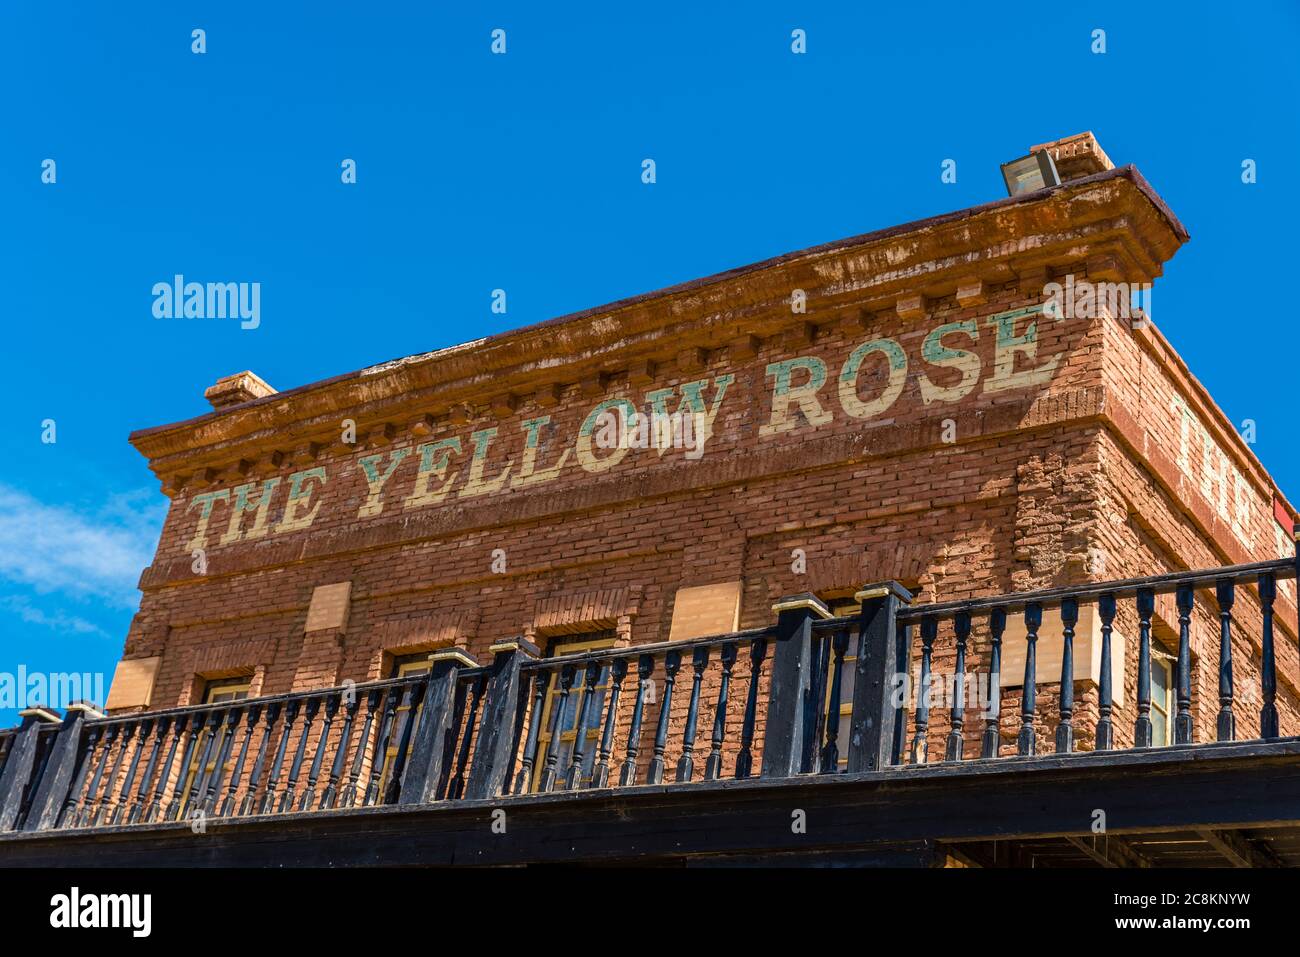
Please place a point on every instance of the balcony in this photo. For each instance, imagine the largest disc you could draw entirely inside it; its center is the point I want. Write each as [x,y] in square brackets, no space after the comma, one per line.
[793,743]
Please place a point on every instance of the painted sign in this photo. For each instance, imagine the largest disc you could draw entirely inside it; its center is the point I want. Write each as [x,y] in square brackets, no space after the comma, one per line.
[1227,491]
[428,474]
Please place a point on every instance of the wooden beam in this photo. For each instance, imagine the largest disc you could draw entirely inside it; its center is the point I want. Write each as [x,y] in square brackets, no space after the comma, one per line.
[959,855]
[1239,850]
[1020,802]
[1109,851]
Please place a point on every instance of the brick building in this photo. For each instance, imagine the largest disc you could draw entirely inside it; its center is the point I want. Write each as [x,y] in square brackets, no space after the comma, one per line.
[964,405]
[892,406]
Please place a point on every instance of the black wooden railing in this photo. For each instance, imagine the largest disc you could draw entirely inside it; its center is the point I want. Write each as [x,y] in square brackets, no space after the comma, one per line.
[811,694]
[585,730]
[1137,596]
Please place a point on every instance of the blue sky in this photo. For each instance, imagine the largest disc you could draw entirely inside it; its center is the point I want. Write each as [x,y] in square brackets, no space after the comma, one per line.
[522,172]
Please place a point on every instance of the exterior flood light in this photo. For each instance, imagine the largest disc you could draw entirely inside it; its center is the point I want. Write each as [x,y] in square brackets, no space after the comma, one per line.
[1035,171]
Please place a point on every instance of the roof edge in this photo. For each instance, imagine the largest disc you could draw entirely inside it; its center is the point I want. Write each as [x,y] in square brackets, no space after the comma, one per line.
[1128,172]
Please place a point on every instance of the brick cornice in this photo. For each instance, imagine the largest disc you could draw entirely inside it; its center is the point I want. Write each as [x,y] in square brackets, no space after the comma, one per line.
[1113,214]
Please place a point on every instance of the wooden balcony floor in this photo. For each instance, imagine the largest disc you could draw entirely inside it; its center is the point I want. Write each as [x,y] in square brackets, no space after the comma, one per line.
[1230,804]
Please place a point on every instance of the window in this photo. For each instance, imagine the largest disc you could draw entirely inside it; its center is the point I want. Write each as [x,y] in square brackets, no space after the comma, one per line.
[568,726]
[416,664]
[1162,697]
[215,691]
[221,690]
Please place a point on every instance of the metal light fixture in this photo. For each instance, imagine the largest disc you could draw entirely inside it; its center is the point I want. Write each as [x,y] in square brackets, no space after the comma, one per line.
[1035,171]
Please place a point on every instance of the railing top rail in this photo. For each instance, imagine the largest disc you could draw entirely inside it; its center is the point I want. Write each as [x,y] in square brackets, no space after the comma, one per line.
[1160,584]
[262,701]
[655,649]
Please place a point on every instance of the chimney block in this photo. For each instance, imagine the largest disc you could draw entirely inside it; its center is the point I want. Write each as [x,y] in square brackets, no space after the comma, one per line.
[236,389]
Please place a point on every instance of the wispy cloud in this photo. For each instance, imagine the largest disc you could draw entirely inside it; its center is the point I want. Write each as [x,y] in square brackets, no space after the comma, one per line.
[59,621]
[79,553]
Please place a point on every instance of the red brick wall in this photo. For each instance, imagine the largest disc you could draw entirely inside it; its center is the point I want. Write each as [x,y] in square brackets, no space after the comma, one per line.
[1043,485]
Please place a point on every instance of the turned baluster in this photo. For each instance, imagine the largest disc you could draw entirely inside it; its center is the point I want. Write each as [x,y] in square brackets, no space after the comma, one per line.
[350,704]
[1185,599]
[457,786]
[267,805]
[381,745]
[573,777]
[155,809]
[247,805]
[549,772]
[713,766]
[672,663]
[140,804]
[644,667]
[295,767]
[992,741]
[524,779]
[1026,742]
[230,726]
[1065,729]
[106,798]
[199,783]
[1106,607]
[1268,722]
[348,796]
[745,757]
[250,728]
[953,750]
[920,737]
[1226,726]
[89,806]
[177,803]
[67,813]
[686,763]
[600,773]
[1146,606]
[313,775]
[124,798]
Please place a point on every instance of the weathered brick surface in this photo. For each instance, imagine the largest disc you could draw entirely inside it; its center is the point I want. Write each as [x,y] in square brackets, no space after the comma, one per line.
[1062,462]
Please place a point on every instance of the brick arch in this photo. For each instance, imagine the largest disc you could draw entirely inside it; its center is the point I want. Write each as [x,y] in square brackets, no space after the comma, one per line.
[226,660]
[575,612]
[407,636]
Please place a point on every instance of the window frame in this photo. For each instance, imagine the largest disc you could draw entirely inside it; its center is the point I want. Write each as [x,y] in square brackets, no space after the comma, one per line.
[560,646]
[214,693]
[1167,664]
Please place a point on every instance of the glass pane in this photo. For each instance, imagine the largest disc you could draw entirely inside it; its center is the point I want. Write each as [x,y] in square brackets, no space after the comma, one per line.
[1160,683]
[1159,728]
[566,755]
[570,717]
